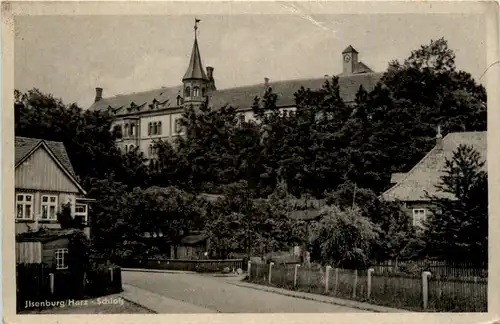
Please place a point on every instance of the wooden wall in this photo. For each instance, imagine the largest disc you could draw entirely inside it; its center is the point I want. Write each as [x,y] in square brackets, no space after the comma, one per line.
[40,172]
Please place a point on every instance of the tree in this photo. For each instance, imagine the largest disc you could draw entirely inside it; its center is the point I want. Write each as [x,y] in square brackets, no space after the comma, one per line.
[166,214]
[66,219]
[424,91]
[343,238]
[242,223]
[457,230]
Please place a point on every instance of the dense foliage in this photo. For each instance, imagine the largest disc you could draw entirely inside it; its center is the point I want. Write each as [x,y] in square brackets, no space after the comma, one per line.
[458,228]
[327,149]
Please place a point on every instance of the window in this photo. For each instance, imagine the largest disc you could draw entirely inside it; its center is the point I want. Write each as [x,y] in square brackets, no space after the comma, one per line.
[155,128]
[179,100]
[178,126]
[150,128]
[150,150]
[61,255]
[159,128]
[196,92]
[126,130]
[49,207]
[132,129]
[187,92]
[241,118]
[203,91]
[24,206]
[81,212]
[418,216]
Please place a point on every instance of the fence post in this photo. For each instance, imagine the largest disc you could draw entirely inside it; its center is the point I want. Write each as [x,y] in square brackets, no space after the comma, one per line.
[295,275]
[249,268]
[336,280]
[425,288]
[51,278]
[369,283]
[327,275]
[111,273]
[270,269]
[355,283]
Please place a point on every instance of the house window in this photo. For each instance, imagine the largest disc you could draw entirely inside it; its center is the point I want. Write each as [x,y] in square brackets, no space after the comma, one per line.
[24,206]
[49,207]
[61,255]
[418,216]
[81,212]
[150,127]
[159,128]
[178,126]
[155,128]
[126,130]
[187,92]
[150,150]
[203,92]
[132,129]
[196,92]
[179,100]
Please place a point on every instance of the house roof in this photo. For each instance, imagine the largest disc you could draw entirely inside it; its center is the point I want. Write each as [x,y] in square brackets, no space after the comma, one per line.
[45,235]
[240,97]
[426,174]
[25,147]
[195,68]
[349,49]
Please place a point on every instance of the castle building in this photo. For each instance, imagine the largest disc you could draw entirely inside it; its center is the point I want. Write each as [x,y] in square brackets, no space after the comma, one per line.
[145,117]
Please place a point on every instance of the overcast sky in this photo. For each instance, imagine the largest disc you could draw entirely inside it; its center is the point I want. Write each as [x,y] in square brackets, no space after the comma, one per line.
[69,56]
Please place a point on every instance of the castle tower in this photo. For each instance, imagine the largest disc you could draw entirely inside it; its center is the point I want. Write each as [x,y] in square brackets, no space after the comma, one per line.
[350,60]
[195,81]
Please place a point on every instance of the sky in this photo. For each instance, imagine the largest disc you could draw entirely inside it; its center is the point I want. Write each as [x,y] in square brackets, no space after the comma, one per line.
[69,56]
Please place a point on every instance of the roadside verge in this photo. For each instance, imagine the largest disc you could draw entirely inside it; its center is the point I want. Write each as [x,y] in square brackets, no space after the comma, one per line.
[320,298]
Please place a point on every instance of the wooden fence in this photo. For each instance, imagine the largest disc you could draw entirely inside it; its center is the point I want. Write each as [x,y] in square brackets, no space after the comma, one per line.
[387,288]
[180,265]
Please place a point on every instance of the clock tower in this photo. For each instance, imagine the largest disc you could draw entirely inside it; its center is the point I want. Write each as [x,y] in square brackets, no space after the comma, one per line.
[349,59]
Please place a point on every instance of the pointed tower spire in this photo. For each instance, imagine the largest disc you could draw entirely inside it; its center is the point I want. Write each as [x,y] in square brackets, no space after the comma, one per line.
[195,69]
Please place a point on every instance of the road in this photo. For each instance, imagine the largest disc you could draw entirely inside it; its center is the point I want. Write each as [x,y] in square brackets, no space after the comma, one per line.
[218,295]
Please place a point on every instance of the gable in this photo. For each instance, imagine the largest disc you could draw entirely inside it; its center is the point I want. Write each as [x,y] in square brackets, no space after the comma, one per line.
[41,172]
[427,173]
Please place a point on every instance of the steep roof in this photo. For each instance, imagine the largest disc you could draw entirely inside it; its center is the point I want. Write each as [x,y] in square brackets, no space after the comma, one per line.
[349,49]
[195,68]
[25,146]
[426,174]
[239,97]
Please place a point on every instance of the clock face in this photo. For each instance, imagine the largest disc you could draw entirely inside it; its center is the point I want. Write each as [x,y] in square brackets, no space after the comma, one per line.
[347,58]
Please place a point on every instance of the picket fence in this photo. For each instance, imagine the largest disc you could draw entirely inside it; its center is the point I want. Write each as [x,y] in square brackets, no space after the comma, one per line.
[412,291]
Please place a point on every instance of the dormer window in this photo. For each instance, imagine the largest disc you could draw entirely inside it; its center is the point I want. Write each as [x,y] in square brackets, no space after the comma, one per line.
[179,100]
[187,92]
[155,104]
[196,92]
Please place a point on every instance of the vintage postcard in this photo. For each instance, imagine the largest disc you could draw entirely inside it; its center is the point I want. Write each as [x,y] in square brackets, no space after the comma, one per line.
[221,161]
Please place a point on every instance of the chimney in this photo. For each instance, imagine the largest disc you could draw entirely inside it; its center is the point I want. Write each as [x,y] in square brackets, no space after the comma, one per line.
[210,72]
[210,75]
[98,94]
[439,139]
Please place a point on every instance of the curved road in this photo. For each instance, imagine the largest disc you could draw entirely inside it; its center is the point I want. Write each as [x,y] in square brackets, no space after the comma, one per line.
[218,295]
